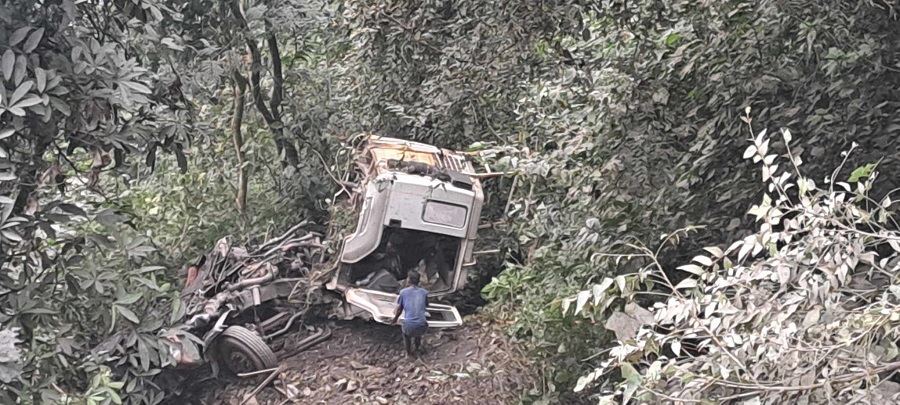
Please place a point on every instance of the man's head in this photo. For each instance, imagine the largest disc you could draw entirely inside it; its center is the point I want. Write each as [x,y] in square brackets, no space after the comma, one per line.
[413,278]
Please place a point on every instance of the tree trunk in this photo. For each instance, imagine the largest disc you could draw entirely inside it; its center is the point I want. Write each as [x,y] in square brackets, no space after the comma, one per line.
[285,146]
[237,118]
[271,113]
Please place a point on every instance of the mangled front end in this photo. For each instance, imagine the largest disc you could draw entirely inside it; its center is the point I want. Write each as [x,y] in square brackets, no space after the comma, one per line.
[223,285]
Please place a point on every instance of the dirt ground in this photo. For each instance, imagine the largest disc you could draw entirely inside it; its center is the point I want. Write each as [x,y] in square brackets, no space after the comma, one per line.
[365,363]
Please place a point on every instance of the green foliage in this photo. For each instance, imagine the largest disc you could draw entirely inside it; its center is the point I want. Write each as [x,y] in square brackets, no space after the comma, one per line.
[107,309]
[861,172]
[185,213]
[615,119]
[90,238]
[448,72]
[758,321]
[73,104]
[624,120]
[102,391]
[685,100]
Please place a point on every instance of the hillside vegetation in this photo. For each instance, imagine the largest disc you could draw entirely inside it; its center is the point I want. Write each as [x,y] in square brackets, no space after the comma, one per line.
[698,202]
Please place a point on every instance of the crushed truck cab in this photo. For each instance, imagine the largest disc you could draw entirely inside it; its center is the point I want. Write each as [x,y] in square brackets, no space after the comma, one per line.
[418,207]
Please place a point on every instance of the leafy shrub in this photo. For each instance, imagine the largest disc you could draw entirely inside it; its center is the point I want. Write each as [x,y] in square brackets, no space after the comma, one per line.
[96,332]
[805,310]
[90,240]
[642,134]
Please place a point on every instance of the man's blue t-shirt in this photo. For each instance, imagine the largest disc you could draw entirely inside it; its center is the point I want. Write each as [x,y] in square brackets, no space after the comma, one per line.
[413,301]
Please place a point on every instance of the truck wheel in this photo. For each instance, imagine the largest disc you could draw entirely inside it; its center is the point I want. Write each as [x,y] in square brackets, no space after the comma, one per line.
[241,351]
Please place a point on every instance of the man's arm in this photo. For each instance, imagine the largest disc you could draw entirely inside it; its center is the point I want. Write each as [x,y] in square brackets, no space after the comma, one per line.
[398,311]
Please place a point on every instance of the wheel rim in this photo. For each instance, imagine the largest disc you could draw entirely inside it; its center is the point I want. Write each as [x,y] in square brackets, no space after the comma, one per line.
[239,362]
[240,350]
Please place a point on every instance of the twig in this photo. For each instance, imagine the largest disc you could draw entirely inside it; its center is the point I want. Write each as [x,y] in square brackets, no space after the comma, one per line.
[491,175]
[843,379]
[265,382]
[491,225]
[512,189]
[289,399]
[676,400]
[833,178]
[330,174]
[283,237]
[258,372]
[595,355]
[696,318]
[528,200]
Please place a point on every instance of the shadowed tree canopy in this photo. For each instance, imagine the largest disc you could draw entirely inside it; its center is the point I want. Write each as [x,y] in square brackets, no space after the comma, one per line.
[135,133]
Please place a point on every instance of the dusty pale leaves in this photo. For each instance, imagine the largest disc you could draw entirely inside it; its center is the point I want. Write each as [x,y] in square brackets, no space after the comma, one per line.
[10,356]
[784,305]
[626,324]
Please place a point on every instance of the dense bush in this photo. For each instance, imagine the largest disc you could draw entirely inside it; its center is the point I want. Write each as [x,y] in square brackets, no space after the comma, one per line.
[74,106]
[615,120]
[642,134]
[117,165]
[804,310]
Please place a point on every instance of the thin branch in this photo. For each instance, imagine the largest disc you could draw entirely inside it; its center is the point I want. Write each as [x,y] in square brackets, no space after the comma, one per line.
[330,174]
[237,119]
[256,63]
[277,76]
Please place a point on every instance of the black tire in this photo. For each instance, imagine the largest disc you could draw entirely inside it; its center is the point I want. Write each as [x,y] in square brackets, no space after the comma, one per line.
[240,350]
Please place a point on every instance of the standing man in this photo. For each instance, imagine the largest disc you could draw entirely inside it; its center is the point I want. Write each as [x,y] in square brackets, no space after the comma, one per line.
[412,301]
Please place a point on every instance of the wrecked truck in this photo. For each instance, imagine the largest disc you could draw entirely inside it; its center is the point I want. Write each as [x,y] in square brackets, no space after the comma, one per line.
[417,208]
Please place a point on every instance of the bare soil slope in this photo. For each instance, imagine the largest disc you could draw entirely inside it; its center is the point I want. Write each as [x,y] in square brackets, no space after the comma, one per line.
[364,363]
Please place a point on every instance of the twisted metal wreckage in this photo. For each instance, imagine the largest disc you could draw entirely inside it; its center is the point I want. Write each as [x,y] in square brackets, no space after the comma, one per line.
[418,208]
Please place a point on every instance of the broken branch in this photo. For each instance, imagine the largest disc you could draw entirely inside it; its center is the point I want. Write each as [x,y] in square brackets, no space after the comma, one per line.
[265,382]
